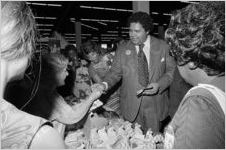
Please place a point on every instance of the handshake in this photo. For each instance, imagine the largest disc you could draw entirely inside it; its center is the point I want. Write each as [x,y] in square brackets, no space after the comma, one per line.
[101,87]
[98,89]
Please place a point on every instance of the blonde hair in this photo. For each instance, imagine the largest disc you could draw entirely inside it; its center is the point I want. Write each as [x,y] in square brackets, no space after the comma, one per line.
[52,64]
[17,30]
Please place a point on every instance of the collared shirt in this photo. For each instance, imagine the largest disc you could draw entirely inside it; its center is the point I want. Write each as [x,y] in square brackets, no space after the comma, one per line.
[146,49]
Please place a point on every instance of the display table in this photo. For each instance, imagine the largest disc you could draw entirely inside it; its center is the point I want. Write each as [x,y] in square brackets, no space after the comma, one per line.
[102,133]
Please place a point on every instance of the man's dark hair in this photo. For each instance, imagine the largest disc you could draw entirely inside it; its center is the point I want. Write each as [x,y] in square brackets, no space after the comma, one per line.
[143,18]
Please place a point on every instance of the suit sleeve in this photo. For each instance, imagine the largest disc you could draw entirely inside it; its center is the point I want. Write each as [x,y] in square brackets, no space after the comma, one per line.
[170,64]
[115,73]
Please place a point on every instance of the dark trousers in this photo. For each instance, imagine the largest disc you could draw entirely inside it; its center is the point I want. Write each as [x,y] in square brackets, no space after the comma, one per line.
[147,115]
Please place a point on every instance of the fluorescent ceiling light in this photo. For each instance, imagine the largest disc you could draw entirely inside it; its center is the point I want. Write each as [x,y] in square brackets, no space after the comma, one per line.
[166,14]
[98,8]
[44,29]
[127,28]
[102,23]
[98,20]
[112,31]
[88,26]
[86,34]
[109,9]
[155,13]
[39,4]
[54,5]
[51,18]
[69,37]
[45,25]
[69,34]
[44,4]
[85,7]
[104,8]
[112,38]
[109,34]
[155,24]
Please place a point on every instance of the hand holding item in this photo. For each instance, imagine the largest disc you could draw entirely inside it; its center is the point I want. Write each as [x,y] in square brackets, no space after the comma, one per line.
[151,89]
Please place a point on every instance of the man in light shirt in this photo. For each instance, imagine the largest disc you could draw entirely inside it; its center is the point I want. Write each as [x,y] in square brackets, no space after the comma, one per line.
[153,70]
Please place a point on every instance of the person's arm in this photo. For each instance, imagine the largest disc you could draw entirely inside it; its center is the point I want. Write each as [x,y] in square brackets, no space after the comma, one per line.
[115,73]
[94,76]
[167,78]
[67,114]
[47,138]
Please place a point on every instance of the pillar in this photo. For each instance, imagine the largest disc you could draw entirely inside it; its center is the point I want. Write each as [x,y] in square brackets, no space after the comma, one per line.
[141,6]
[78,30]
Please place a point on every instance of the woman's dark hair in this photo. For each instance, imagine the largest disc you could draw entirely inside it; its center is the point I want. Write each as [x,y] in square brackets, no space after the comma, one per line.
[88,47]
[143,18]
[196,34]
[68,48]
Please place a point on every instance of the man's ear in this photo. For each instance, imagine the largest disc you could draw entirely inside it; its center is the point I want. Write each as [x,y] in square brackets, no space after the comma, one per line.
[192,65]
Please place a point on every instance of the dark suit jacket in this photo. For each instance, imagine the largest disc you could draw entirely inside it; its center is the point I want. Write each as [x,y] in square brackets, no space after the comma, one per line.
[124,66]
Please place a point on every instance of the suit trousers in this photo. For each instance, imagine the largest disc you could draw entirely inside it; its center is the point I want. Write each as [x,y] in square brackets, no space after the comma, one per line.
[147,115]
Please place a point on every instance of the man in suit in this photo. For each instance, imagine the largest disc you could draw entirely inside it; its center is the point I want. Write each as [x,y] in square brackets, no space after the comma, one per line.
[152,106]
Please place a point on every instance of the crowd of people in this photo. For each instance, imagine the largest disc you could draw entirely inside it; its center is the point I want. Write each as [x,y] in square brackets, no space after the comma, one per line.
[175,86]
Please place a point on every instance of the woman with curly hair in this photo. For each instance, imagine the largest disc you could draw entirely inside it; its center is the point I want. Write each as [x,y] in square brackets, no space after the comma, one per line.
[196,37]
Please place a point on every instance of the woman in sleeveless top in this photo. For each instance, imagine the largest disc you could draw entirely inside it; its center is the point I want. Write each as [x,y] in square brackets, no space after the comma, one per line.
[20,129]
[49,104]
[196,37]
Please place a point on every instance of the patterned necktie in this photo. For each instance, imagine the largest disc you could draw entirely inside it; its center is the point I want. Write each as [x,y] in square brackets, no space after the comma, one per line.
[142,67]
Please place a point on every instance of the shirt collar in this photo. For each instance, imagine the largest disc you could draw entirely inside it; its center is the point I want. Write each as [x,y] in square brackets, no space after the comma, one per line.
[147,42]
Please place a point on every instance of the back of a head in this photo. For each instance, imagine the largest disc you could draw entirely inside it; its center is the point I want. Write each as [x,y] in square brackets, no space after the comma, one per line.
[69,48]
[143,18]
[17,30]
[89,46]
[52,64]
[196,34]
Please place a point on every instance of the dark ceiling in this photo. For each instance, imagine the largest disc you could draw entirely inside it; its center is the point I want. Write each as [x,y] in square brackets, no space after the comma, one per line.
[108,21]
